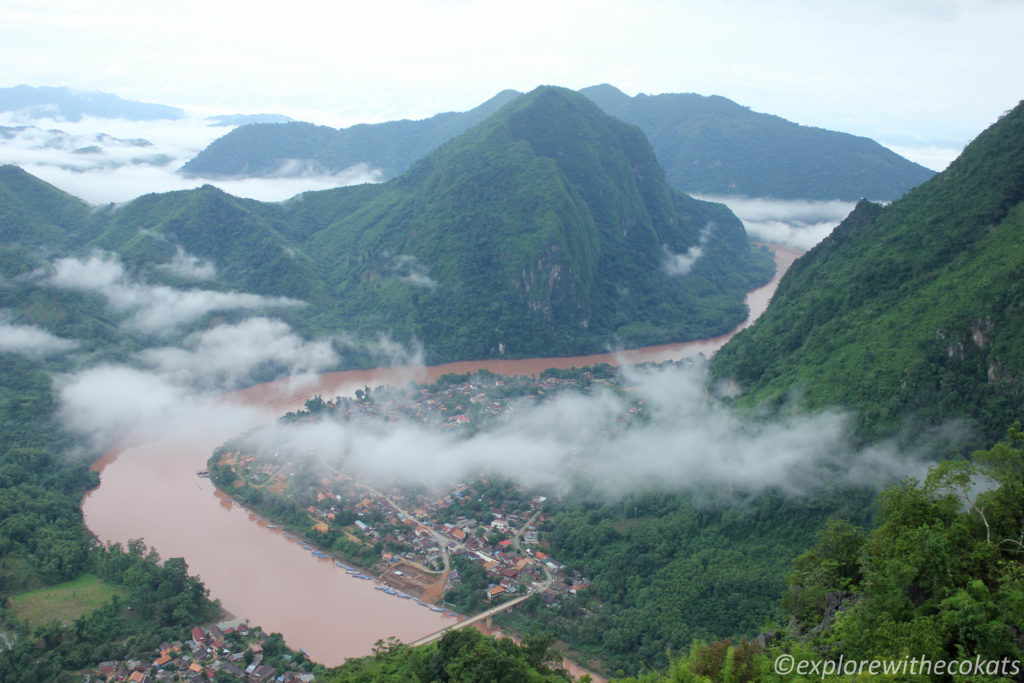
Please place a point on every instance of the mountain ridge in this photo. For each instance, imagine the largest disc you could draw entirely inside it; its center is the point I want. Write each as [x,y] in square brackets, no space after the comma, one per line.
[390,147]
[544,229]
[707,145]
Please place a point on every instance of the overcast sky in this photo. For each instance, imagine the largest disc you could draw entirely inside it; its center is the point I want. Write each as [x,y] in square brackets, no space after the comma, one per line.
[908,73]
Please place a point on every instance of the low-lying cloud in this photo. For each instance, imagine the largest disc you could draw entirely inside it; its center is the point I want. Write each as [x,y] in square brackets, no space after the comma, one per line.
[683,440]
[800,223]
[677,265]
[686,442]
[175,390]
[189,267]
[152,309]
[114,405]
[408,269]
[226,356]
[113,160]
[31,341]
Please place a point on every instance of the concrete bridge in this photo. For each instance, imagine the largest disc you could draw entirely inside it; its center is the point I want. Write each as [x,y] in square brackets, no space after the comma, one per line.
[486,615]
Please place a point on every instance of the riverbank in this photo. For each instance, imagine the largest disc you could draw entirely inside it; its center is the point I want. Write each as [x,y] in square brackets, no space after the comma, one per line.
[288,394]
[257,572]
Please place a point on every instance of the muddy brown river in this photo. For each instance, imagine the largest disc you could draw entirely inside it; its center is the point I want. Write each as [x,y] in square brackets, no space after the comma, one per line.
[150,490]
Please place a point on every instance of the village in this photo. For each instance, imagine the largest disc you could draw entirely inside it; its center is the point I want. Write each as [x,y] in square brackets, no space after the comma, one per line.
[234,652]
[466,548]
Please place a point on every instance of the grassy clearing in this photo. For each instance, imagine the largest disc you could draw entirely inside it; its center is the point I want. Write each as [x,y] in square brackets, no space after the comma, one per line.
[63,602]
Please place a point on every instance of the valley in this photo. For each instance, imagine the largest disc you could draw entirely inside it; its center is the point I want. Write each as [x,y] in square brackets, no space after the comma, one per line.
[670,490]
[169,502]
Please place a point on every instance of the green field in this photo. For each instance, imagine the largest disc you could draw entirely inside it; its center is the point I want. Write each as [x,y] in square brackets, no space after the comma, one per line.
[64,602]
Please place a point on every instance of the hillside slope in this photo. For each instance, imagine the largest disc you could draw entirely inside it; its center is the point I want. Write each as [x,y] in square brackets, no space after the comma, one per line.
[912,310]
[547,229]
[36,214]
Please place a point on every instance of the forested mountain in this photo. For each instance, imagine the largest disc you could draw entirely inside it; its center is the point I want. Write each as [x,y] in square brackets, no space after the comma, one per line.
[711,145]
[914,310]
[707,145]
[547,229]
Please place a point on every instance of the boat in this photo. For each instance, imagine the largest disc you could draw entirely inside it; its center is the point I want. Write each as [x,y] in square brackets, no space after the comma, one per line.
[203,473]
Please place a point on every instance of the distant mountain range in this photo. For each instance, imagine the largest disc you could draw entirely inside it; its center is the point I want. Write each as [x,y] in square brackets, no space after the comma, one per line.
[707,145]
[66,104]
[547,229]
[268,150]
[910,311]
[71,105]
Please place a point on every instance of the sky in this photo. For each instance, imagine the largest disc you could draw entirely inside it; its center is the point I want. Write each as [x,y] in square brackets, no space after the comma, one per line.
[921,76]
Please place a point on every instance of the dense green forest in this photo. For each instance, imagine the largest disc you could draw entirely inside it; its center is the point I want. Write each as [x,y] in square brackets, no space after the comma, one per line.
[156,601]
[668,569]
[42,538]
[548,229]
[909,314]
[708,145]
[44,542]
[935,584]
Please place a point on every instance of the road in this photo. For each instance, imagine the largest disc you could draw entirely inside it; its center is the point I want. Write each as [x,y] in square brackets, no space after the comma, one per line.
[479,617]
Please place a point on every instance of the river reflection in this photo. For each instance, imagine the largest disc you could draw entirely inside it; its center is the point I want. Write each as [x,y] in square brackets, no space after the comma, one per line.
[152,491]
